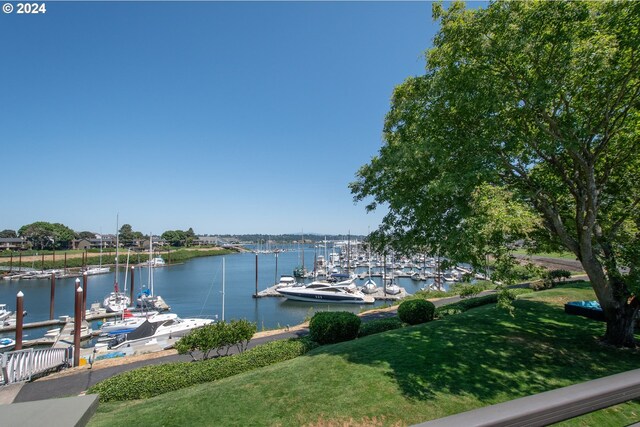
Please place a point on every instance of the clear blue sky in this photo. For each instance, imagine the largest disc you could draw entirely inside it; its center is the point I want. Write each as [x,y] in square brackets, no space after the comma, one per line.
[228,117]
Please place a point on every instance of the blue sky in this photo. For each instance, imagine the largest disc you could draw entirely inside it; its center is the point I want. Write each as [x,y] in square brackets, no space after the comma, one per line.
[227,117]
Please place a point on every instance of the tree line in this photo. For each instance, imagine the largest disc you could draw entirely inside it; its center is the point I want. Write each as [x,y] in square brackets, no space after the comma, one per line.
[44,235]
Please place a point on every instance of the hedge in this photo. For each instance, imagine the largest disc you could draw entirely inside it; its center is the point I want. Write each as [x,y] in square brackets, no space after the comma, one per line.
[416,311]
[328,327]
[153,380]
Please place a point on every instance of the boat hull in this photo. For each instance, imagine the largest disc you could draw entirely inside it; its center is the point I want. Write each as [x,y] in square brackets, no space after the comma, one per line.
[319,297]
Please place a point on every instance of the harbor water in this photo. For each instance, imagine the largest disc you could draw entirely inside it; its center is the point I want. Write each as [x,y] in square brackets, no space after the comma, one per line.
[194,289]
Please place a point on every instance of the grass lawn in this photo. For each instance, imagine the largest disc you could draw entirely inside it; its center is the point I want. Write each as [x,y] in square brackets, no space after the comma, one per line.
[404,376]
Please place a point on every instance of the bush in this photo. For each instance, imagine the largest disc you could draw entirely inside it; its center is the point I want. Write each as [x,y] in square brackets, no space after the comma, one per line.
[328,327]
[219,336]
[416,311]
[379,325]
[153,380]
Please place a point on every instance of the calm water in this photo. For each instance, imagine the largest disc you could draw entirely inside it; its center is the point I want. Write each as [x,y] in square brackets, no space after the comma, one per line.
[192,289]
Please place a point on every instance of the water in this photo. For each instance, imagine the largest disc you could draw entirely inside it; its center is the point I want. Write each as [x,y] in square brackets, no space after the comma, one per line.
[193,289]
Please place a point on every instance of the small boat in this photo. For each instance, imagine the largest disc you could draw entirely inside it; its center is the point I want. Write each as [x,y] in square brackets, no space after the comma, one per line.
[91,271]
[157,262]
[116,302]
[369,287]
[326,292]
[392,289]
[286,281]
[6,344]
[4,313]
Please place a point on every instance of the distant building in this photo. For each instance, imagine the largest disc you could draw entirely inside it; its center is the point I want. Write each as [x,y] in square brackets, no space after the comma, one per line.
[13,243]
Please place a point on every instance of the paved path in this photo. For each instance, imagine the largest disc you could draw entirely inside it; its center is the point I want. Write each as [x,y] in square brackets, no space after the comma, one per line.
[76,383]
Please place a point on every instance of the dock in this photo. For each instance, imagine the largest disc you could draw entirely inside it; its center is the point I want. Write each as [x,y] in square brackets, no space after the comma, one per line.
[90,316]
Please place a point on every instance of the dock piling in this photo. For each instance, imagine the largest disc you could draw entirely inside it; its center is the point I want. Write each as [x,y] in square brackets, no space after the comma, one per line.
[77,324]
[53,295]
[19,320]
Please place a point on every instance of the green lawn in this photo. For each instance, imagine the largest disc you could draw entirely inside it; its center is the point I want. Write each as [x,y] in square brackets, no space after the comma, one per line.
[404,376]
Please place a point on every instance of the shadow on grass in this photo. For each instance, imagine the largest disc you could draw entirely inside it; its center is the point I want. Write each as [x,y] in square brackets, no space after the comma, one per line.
[487,353]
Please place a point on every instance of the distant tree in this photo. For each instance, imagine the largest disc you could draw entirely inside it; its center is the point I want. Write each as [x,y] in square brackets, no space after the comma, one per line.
[44,235]
[126,235]
[86,235]
[190,237]
[9,234]
[175,237]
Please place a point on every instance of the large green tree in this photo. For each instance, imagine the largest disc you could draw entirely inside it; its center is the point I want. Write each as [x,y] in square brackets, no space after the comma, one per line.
[540,101]
[45,235]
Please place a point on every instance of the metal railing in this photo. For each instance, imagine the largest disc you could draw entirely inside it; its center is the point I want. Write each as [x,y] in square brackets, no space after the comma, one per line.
[22,365]
[551,406]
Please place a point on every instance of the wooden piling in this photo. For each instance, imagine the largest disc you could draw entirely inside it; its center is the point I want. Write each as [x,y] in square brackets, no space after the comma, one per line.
[77,319]
[53,295]
[132,285]
[84,294]
[19,320]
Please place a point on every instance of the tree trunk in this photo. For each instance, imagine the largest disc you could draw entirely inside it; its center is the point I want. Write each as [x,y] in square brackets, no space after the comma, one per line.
[621,326]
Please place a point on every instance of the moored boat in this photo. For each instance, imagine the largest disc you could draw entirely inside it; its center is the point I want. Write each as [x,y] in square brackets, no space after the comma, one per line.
[325,292]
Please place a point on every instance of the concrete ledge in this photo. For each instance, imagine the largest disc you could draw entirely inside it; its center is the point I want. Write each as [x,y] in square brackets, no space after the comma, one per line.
[551,406]
[65,412]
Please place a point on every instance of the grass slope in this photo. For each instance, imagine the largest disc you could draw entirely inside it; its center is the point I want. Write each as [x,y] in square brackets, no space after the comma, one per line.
[404,376]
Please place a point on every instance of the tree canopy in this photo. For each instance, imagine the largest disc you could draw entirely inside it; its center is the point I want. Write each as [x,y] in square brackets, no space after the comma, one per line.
[45,235]
[533,105]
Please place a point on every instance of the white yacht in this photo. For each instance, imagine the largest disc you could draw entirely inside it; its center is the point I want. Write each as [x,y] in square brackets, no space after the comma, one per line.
[369,287]
[326,292]
[171,326]
[116,301]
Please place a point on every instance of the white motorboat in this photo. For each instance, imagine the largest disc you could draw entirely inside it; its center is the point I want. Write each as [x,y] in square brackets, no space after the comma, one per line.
[131,323]
[326,292]
[286,281]
[157,262]
[151,331]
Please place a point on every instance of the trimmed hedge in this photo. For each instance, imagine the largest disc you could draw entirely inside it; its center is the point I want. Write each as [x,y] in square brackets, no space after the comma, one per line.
[329,327]
[153,380]
[379,325]
[416,311]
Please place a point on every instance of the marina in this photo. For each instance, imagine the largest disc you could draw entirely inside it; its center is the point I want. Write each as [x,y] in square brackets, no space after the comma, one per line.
[194,289]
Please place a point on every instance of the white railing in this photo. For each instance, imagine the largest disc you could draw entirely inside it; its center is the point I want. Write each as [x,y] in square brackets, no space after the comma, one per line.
[21,365]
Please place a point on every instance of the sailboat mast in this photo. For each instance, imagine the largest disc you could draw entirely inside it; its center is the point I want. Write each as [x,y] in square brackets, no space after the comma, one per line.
[223,289]
[115,284]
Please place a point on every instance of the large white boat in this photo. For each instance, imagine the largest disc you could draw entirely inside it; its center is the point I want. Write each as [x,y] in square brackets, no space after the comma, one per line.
[131,322]
[326,292]
[171,326]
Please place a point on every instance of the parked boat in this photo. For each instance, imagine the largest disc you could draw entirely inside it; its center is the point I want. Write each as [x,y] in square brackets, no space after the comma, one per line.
[147,298]
[286,281]
[116,301]
[369,287]
[151,331]
[326,292]
[6,344]
[131,323]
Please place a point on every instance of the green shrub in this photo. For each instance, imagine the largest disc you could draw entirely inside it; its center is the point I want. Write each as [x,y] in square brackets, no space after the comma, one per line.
[379,325]
[153,380]
[328,327]
[416,311]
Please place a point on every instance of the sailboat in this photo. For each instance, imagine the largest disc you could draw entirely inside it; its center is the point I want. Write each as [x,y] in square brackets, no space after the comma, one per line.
[100,269]
[116,301]
[147,298]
